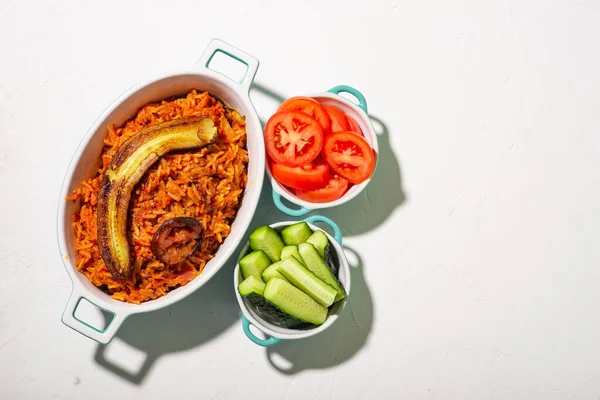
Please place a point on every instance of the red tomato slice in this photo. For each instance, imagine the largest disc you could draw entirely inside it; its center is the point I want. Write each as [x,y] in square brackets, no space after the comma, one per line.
[293,138]
[336,187]
[349,155]
[311,176]
[339,122]
[354,127]
[311,107]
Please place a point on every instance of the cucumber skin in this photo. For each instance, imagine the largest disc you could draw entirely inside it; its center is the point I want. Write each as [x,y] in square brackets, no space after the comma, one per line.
[329,262]
[273,314]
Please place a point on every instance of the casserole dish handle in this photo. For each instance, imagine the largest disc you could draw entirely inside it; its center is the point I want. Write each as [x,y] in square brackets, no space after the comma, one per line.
[285,209]
[101,336]
[218,46]
[261,342]
[337,232]
[362,102]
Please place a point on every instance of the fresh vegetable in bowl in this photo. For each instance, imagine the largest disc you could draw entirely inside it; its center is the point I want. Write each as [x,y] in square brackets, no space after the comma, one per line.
[316,151]
[349,155]
[311,176]
[354,127]
[310,107]
[293,138]
[333,190]
[339,120]
[290,277]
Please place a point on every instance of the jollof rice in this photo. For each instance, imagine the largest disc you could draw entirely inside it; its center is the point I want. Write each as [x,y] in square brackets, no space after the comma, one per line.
[206,184]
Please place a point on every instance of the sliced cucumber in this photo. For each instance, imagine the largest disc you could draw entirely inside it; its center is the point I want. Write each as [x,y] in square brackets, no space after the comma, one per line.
[320,242]
[305,280]
[317,265]
[296,234]
[254,264]
[266,239]
[294,301]
[273,314]
[251,285]
[271,272]
[291,250]
[252,289]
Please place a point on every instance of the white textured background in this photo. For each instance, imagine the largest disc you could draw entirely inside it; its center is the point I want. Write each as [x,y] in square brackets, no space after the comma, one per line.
[478,236]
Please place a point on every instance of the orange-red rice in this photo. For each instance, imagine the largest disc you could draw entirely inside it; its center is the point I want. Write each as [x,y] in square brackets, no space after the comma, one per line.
[206,184]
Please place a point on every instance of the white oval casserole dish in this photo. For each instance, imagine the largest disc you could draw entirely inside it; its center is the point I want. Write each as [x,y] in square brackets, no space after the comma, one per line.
[86,161]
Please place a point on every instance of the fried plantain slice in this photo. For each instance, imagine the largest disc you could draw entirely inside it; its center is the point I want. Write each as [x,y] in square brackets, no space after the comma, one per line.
[126,168]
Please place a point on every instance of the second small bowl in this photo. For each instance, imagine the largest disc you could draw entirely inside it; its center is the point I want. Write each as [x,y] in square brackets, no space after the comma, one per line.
[359,113]
[277,333]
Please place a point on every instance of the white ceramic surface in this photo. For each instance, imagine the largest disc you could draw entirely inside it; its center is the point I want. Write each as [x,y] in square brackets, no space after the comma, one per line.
[87,159]
[286,333]
[350,108]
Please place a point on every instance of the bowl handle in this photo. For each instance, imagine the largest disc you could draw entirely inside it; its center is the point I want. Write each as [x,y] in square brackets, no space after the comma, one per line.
[337,233]
[216,45]
[261,342]
[286,210]
[362,102]
[105,336]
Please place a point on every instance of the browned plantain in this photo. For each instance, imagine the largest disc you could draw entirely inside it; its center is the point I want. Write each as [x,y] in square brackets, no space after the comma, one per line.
[126,168]
[177,239]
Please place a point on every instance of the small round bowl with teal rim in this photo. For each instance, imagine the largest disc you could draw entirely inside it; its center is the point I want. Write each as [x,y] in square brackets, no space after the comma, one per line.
[277,333]
[359,112]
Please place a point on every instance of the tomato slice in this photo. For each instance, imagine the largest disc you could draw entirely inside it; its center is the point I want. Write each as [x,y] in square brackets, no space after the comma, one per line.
[339,122]
[336,187]
[354,127]
[349,155]
[293,138]
[311,176]
[311,107]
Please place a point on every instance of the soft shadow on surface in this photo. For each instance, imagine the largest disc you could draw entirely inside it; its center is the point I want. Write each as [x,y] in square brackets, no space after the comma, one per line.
[379,199]
[341,341]
[258,87]
[265,101]
[196,320]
